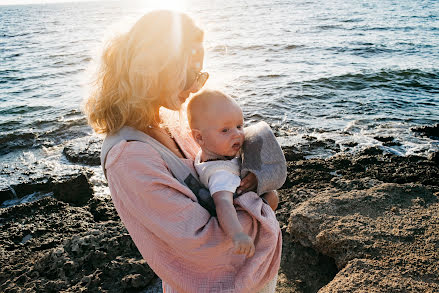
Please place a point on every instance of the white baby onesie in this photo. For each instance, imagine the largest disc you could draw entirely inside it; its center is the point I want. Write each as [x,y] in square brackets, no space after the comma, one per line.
[220,175]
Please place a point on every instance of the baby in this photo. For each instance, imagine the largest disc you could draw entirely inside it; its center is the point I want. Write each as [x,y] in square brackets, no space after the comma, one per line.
[216,122]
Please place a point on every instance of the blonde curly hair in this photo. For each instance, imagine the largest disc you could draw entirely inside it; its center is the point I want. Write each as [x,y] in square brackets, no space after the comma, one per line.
[140,69]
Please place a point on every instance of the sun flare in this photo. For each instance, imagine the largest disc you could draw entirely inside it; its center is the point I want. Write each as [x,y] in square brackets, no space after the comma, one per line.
[179,5]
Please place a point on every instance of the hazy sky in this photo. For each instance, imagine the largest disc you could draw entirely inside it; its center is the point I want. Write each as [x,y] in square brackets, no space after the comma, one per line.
[17,2]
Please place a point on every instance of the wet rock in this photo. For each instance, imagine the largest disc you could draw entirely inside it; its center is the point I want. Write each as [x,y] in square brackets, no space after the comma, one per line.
[384,138]
[388,140]
[86,150]
[292,153]
[318,148]
[350,144]
[23,188]
[392,143]
[434,157]
[373,151]
[429,131]
[15,141]
[71,186]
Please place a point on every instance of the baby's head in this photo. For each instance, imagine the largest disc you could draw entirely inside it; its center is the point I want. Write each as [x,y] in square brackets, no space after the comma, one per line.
[216,122]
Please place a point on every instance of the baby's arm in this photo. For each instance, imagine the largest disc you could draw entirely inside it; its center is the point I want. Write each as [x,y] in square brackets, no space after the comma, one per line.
[228,220]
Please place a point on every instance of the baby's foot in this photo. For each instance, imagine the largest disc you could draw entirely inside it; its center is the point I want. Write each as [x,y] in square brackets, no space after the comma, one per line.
[243,244]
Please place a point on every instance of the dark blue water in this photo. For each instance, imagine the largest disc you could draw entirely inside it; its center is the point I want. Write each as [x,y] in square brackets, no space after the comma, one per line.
[344,70]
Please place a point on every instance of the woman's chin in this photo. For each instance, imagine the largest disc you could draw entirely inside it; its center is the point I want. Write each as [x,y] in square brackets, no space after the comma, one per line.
[183,96]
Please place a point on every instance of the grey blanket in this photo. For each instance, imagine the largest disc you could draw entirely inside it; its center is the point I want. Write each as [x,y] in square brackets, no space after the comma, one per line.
[263,156]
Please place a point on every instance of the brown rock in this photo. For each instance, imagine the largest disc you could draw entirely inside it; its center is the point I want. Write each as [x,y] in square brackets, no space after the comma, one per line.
[368,241]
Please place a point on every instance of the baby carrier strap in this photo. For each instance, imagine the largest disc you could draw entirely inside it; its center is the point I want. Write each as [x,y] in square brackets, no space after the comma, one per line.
[178,169]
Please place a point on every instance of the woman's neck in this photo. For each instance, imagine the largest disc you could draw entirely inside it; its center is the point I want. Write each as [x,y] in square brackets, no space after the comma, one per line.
[156,118]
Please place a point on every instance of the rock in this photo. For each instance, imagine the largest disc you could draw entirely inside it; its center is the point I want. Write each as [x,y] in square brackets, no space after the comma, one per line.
[307,269]
[371,151]
[134,281]
[350,210]
[86,150]
[303,172]
[429,131]
[361,232]
[292,153]
[68,251]
[384,138]
[434,157]
[71,186]
[387,140]
[366,222]
[24,187]
[102,209]
[365,275]
[392,143]
[74,188]
[351,144]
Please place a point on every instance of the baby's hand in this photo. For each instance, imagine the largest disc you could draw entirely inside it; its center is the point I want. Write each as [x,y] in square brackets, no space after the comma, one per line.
[243,244]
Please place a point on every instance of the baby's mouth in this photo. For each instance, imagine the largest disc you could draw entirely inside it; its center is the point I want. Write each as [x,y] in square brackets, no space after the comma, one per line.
[236,146]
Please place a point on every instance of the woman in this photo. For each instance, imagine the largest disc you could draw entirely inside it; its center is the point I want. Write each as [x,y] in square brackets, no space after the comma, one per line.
[156,65]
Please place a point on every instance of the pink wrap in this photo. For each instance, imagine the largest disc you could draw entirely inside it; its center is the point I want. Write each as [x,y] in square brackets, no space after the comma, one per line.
[184,246]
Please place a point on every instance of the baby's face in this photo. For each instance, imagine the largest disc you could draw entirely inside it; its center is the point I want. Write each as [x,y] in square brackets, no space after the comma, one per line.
[223,131]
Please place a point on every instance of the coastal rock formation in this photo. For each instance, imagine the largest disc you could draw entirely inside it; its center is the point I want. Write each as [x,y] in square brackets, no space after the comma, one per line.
[71,186]
[351,222]
[50,246]
[363,222]
[389,230]
[429,131]
[86,150]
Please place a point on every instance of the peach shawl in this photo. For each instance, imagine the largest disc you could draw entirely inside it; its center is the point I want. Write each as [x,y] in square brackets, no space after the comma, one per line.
[177,237]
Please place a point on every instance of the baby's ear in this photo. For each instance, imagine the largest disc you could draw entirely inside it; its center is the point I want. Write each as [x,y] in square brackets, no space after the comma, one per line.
[196,134]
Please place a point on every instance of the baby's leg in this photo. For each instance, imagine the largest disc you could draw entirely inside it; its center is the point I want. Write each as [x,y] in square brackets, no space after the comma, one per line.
[272,198]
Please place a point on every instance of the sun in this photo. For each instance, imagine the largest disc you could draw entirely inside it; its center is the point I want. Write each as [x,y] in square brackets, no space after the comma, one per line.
[179,5]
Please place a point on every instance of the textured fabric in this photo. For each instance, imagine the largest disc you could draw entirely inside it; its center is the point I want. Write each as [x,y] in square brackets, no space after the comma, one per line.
[263,156]
[223,181]
[221,175]
[270,287]
[178,238]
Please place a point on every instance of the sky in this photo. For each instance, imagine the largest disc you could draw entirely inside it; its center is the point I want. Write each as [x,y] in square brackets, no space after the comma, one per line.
[19,2]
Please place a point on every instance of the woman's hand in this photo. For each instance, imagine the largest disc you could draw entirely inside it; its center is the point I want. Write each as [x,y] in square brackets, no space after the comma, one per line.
[248,183]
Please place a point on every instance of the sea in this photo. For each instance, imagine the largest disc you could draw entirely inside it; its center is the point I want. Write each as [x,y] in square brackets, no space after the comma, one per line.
[348,72]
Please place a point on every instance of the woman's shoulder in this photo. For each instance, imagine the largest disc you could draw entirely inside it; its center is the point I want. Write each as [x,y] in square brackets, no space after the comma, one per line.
[133,153]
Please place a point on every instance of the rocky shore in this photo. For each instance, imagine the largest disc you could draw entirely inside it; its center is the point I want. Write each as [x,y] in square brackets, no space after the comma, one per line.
[364,222]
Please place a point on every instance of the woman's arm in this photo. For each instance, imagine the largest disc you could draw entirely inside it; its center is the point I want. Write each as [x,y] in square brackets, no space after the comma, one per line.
[248,183]
[141,184]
